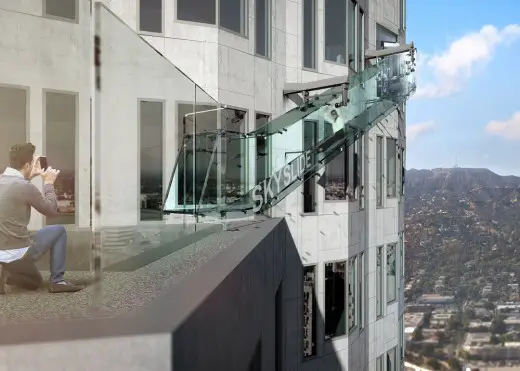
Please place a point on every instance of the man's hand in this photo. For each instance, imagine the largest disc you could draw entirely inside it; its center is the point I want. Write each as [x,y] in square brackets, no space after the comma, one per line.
[36,168]
[49,176]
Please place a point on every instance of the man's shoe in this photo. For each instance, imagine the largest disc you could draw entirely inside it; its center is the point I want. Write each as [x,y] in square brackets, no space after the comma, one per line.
[63,286]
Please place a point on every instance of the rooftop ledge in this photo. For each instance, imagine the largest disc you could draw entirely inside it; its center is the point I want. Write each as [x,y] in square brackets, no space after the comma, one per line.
[151,299]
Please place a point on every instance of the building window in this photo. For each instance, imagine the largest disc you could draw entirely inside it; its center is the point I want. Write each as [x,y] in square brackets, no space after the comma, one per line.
[380,363]
[262,149]
[235,151]
[352,292]
[379,281]
[262,17]
[361,40]
[151,118]
[309,34]
[309,311]
[336,177]
[335,299]
[401,248]
[14,119]
[402,14]
[401,336]
[379,171]
[384,37]
[233,15]
[310,139]
[360,183]
[335,31]
[391,167]
[352,34]
[200,11]
[61,9]
[151,16]
[391,364]
[60,149]
[198,155]
[361,290]
[391,272]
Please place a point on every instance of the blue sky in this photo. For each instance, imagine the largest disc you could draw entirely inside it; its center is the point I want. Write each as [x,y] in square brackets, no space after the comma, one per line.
[467,106]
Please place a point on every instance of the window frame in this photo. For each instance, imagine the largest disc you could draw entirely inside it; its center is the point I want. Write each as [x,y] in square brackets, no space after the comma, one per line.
[361,291]
[314,35]
[388,144]
[345,294]
[380,171]
[268,12]
[380,281]
[163,102]
[74,94]
[345,177]
[354,66]
[163,20]
[352,263]
[314,316]
[402,15]
[361,170]
[360,38]
[346,63]
[58,18]
[390,300]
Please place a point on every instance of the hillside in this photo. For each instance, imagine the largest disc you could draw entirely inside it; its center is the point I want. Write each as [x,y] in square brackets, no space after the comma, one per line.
[463,224]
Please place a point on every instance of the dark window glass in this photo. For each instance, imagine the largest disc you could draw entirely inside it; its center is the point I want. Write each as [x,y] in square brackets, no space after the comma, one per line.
[13,119]
[151,122]
[235,152]
[262,150]
[233,15]
[66,9]
[383,35]
[360,40]
[262,27]
[336,177]
[151,16]
[352,34]
[335,324]
[309,34]
[336,30]
[309,311]
[60,149]
[201,11]
[310,139]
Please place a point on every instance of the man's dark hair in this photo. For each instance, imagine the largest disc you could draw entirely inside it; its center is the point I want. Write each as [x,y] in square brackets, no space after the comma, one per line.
[21,154]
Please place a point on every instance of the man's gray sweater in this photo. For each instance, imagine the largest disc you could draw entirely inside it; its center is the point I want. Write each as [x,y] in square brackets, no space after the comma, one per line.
[17,196]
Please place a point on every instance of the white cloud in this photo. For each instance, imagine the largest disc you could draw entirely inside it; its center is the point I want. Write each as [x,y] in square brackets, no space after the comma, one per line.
[508,129]
[414,131]
[454,66]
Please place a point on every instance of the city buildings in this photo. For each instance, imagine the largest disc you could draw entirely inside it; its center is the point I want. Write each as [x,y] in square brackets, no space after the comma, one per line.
[162,123]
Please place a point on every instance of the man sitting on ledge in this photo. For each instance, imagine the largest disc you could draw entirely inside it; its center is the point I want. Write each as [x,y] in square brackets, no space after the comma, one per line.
[19,250]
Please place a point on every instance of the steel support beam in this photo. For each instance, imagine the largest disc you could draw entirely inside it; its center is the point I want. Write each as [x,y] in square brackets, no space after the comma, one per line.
[371,54]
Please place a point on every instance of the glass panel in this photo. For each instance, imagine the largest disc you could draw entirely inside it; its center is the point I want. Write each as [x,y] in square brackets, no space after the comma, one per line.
[13,116]
[335,299]
[379,171]
[310,139]
[361,290]
[309,34]
[60,149]
[352,34]
[151,15]
[379,281]
[391,272]
[151,121]
[336,178]
[310,311]
[200,11]
[233,15]
[352,293]
[391,167]
[262,16]
[361,39]
[335,31]
[61,8]
[262,150]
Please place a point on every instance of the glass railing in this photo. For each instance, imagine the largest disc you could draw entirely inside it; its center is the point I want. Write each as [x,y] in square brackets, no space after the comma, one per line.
[226,184]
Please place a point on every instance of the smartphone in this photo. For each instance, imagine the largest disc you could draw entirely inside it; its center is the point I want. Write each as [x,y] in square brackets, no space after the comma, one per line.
[43,163]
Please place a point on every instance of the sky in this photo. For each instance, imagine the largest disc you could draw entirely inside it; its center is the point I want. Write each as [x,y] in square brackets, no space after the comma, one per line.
[466,110]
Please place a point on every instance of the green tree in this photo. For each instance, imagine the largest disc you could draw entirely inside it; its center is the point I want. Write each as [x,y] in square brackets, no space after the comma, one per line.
[494,339]
[498,326]
[417,334]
